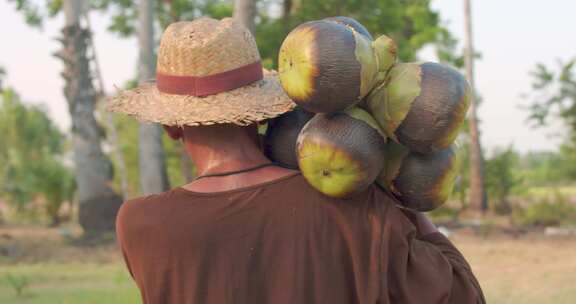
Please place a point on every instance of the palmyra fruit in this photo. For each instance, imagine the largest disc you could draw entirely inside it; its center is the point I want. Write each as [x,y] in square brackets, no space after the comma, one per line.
[341,154]
[326,66]
[281,136]
[420,182]
[351,22]
[421,105]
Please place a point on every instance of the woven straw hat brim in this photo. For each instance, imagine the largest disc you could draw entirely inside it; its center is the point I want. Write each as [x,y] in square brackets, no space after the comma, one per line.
[246,105]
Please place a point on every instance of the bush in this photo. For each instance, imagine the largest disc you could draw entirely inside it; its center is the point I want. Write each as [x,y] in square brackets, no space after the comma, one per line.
[555,212]
[18,283]
[444,214]
[502,179]
[31,158]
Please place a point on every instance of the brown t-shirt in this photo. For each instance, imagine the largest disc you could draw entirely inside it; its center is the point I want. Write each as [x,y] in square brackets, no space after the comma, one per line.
[282,242]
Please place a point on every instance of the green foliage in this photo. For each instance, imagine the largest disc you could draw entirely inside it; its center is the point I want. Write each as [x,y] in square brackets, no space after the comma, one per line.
[33,14]
[558,92]
[58,186]
[30,157]
[123,13]
[127,129]
[462,184]
[502,178]
[555,98]
[568,154]
[549,168]
[412,24]
[553,211]
[25,143]
[539,192]
[19,283]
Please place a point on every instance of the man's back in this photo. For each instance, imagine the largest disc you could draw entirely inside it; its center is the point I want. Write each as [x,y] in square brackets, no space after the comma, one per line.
[283,242]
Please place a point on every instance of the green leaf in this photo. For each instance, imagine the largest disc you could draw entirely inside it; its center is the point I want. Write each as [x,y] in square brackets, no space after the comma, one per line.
[364,116]
[395,154]
[390,102]
[367,57]
[385,49]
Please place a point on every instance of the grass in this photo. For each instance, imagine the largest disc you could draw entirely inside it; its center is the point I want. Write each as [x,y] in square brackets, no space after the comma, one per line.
[74,283]
[547,191]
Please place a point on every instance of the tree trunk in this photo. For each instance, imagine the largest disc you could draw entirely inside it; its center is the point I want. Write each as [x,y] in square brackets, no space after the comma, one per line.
[109,119]
[245,12]
[286,10]
[98,203]
[55,220]
[2,73]
[477,191]
[153,176]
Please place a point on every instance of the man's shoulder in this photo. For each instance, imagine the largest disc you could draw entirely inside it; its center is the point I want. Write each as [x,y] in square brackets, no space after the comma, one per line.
[142,207]
[147,199]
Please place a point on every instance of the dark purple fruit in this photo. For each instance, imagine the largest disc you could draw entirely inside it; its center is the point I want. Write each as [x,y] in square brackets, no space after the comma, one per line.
[281,136]
[341,154]
[421,182]
[326,67]
[353,23]
[421,105]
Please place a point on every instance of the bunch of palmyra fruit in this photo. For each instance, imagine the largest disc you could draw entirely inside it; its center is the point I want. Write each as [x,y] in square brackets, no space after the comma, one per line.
[365,118]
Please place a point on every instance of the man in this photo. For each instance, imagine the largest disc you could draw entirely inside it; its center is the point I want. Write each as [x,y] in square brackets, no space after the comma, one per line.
[246,231]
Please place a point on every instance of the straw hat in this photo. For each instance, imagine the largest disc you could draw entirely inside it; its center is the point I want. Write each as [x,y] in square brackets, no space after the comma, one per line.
[208,72]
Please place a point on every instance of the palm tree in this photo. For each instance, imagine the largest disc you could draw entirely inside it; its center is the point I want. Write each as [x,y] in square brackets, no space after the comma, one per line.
[477,190]
[245,12]
[98,202]
[153,176]
[2,74]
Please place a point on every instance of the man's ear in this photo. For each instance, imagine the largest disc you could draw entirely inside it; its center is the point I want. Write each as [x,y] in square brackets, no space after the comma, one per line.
[174,132]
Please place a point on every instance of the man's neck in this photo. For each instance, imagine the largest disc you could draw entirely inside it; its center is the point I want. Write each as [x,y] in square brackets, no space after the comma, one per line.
[238,150]
[221,162]
[213,154]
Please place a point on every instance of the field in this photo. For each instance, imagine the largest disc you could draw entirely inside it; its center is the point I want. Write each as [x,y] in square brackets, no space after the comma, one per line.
[568,191]
[526,270]
[529,268]
[70,283]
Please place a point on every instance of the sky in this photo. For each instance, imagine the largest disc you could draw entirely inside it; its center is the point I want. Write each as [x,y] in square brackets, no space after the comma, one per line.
[512,36]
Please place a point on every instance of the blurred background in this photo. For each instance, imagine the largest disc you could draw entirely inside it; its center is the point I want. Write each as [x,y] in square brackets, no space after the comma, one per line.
[66,165]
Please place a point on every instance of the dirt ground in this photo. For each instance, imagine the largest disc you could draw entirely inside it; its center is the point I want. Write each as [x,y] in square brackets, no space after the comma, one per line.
[529,268]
